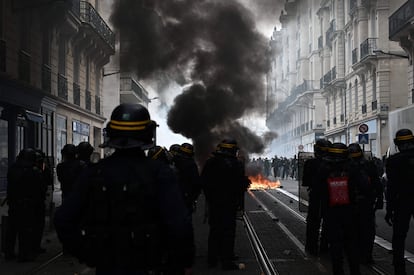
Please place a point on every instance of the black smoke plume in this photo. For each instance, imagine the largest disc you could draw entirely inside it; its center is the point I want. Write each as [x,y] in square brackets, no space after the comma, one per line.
[211,46]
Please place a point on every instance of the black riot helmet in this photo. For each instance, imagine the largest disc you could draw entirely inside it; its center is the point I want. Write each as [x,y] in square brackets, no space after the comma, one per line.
[68,151]
[159,153]
[27,155]
[321,147]
[228,147]
[337,152]
[175,149]
[130,127]
[355,151]
[186,150]
[84,150]
[404,139]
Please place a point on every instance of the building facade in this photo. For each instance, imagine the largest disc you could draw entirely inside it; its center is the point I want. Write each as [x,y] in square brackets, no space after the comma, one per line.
[343,49]
[51,59]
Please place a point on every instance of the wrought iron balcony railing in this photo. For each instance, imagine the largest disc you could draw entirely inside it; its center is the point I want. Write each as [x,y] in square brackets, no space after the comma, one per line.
[46,78]
[374,105]
[75,7]
[401,18]
[354,56]
[90,16]
[367,47]
[352,5]
[364,108]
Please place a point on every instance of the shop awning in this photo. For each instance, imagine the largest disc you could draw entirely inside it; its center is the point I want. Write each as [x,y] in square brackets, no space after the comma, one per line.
[32,116]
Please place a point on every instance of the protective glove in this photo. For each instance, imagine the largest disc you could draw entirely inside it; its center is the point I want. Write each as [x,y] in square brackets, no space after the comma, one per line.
[389,218]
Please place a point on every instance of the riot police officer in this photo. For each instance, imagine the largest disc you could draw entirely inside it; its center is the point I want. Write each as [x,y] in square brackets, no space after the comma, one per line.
[399,195]
[25,199]
[315,244]
[187,173]
[338,205]
[126,214]
[224,183]
[369,198]
[84,151]
[69,169]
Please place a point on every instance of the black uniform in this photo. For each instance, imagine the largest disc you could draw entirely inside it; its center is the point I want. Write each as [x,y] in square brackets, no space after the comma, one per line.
[369,197]
[224,182]
[400,203]
[26,201]
[338,203]
[314,242]
[126,215]
[188,178]
[67,173]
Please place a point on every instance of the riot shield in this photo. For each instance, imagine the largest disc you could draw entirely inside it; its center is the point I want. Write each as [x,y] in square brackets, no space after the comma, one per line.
[303,190]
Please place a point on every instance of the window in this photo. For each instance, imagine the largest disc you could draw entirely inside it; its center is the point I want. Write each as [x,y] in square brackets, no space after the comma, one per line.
[364,90]
[374,85]
[62,56]
[2,21]
[4,145]
[25,31]
[61,135]
[80,132]
[47,134]
[350,98]
[356,95]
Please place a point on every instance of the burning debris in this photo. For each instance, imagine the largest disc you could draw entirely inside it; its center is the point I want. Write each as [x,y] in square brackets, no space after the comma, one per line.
[211,47]
[261,182]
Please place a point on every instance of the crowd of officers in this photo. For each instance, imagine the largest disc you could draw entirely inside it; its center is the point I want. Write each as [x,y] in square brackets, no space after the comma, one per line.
[130,212]
[345,190]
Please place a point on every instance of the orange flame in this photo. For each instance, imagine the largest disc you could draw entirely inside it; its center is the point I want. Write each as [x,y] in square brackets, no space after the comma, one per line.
[260,182]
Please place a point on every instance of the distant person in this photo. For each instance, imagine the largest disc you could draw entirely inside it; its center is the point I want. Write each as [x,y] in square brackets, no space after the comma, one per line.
[126,214]
[84,152]
[25,199]
[224,183]
[400,194]
[69,169]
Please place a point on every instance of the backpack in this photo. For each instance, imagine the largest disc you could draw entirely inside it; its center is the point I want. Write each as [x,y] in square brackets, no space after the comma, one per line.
[120,226]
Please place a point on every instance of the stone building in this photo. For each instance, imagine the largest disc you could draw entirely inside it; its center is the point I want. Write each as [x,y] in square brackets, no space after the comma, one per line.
[51,59]
[338,70]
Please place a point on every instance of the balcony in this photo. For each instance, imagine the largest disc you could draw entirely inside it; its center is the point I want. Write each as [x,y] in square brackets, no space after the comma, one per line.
[354,56]
[327,78]
[90,16]
[400,21]
[76,94]
[132,91]
[367,47]
[352,6]
[2,56]
[364,108]
[24,66]
[374,105]
[320,42]
[62,87]
[88,100]
[46,79]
